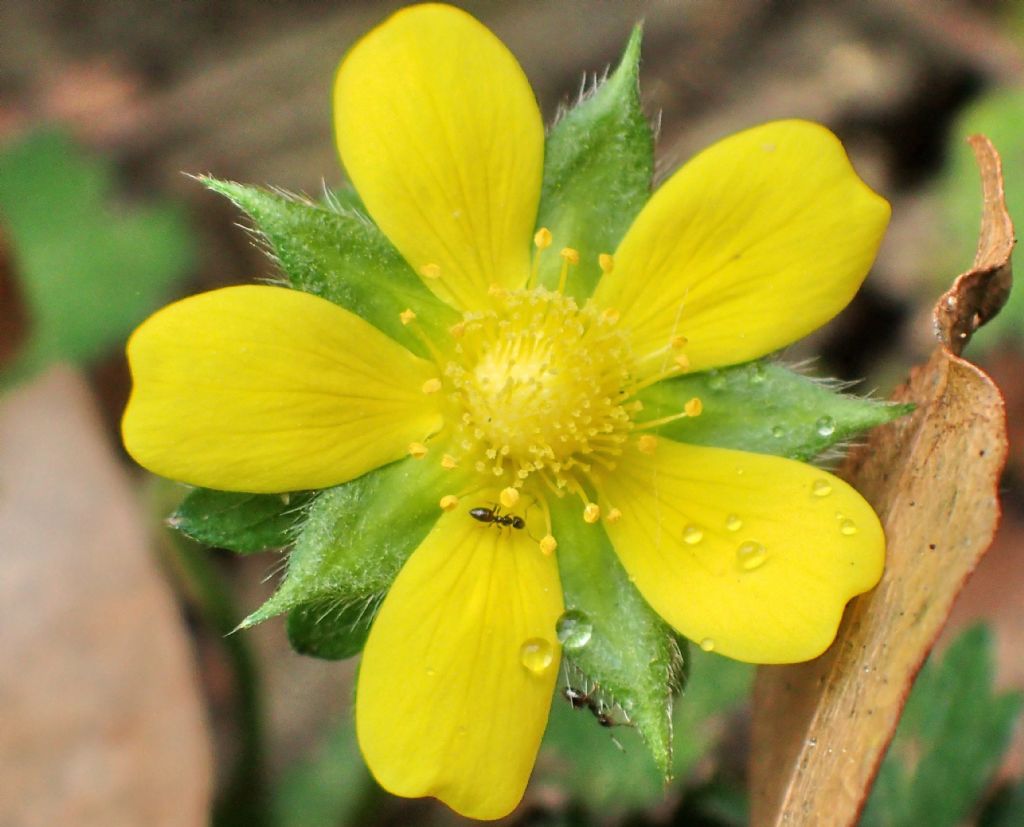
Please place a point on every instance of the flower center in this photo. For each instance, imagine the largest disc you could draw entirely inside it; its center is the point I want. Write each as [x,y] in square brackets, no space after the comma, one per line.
[540,383]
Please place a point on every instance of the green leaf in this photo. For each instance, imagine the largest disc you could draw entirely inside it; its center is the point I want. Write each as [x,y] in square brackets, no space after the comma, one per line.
[598,164]
[765,408]
[358,535]
[244,523]
[611,635]
[336,252]
[333,631]
[608,770]
[949,742]
[89,270]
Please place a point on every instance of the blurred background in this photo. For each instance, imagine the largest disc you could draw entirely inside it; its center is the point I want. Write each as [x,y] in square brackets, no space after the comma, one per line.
[123,699]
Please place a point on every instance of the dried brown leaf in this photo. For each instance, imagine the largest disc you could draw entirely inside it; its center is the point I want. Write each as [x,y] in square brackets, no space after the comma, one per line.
[102,720]
[820,729]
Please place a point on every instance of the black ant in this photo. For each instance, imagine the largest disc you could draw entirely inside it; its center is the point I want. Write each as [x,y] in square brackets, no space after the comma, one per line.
[579,699]
[493,516]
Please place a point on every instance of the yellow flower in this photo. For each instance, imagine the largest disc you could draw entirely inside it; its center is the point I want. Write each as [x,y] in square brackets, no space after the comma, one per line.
[530,398]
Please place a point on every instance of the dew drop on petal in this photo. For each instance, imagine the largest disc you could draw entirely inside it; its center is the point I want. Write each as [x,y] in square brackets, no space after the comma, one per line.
[707,644]
[847,527]
[733,523]
[751,555]
[692,535]
[825,426]
[821,488]
[537,655]
[574,629]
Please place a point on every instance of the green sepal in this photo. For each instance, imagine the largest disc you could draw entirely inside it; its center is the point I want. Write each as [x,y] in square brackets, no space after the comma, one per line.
[632,658]
[244,523]
[333,631]
[358,535]
[765,408]
[949,741]
[598,165]
[334,251]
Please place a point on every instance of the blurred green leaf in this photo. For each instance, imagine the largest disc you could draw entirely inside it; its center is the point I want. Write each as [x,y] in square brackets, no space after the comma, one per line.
[766,408]
[89,271]
[998,115]
[332,788]
[949,742]
[244,523]
[609,771]
[598,164]
[1006,809]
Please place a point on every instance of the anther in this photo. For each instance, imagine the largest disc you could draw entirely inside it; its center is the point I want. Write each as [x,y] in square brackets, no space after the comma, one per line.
[570,255]
[591,513]
[682,361]
[647,443]
[457,330]
[509,497]
[610,315]
[606,263]
[613,515]
[694,407]
[548,544]
[679,342]
[417,450]
[449,502]
[430,271]
[432,385]
[407,316]
[542,238]
[449,462]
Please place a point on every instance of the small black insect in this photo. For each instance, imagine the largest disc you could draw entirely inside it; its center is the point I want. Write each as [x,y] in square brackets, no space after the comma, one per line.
[493,516]
[579,699]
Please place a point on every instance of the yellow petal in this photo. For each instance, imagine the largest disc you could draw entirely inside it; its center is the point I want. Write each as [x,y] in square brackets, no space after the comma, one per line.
[752,556]
[440,133]
[458,672]
[266,389]
[754,243]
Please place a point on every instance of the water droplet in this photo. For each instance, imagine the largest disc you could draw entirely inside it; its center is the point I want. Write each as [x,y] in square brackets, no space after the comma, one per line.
[692,534]
[826,426]
[733,523]
[574,629]
[778,432]
[537,655]
[430,672]
[739,471]
[848,527]
[821,488]
[751,555]
[707,644]
[715,380]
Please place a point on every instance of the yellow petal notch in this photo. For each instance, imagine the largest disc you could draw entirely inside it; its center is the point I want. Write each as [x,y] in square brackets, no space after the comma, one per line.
[754,243]
[266,389]
[458,671]
[440,133]
[748,555]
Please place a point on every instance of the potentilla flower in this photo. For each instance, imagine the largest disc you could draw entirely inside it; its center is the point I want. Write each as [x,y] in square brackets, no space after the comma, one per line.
[530,399]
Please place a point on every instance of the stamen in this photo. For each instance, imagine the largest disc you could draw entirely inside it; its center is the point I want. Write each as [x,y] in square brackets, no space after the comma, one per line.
[449,502]
[613,515]
[548,544]
[610,315]
[449,462]
[662,420]
[569,256]
[606,263]
[430,271]
[407,316]
[679,342]
[647,444]
[432,385]
[683,361]
[417,450]
[541,240]
[591,513]
[694,407]
[509,497]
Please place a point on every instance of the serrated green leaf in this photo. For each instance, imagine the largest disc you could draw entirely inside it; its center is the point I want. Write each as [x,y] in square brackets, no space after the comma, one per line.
[630,654]
[244,523]
[332,631]
[87,270]
[949,742]
[765,408]
[336,252]
[358,535]
[598,164]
